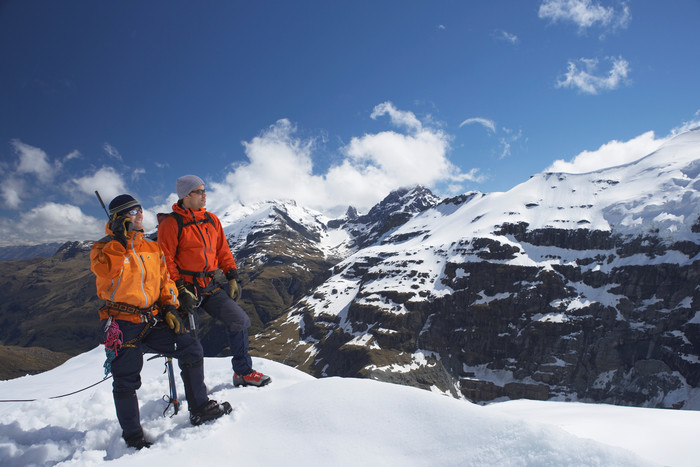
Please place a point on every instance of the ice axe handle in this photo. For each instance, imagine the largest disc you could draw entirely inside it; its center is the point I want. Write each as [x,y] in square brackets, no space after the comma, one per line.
[193,326]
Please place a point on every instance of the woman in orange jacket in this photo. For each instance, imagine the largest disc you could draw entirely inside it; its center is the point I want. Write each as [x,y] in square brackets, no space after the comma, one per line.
[140,315]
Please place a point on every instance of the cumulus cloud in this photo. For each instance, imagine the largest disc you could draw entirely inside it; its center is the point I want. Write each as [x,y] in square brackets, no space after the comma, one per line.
[33,161]
[581,75]
[107,180]
[615,153]
[489,124]
[280,166]
[610,154]
[50,222]
[20,179]
[10,191]
[399,118]
[584,13]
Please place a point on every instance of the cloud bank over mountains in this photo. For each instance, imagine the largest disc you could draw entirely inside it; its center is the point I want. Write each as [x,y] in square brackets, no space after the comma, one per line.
[280,165]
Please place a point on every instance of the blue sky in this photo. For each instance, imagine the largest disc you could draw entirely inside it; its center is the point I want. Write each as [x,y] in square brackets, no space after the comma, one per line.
[327,103]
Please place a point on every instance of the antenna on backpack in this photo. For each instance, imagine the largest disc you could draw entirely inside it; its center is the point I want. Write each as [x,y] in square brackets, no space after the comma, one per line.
[102,203]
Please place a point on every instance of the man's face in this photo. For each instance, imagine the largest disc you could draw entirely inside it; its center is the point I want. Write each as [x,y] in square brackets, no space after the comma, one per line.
[197,198]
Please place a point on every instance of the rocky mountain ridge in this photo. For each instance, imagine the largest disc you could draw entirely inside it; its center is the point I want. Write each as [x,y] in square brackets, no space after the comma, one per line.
[567,287]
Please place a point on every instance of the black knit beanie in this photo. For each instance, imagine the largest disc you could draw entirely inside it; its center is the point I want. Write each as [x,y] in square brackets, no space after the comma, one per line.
[122,204]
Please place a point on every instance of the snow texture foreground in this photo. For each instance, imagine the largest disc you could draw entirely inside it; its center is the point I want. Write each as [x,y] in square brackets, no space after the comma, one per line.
[300,420]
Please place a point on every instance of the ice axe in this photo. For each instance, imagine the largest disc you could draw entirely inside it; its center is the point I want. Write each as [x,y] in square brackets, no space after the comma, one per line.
[170,398]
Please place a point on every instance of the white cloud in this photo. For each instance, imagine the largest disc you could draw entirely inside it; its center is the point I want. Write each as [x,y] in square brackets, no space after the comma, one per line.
[112,151]
[489,124]
[505,142]
[33,161]
[280,166]
[584,13]
[508,140]
[50,222]
[73,155]
[610,154]
[686,126]
[107,180]
[506,36]
[398,117]
[581,75]
[10,190]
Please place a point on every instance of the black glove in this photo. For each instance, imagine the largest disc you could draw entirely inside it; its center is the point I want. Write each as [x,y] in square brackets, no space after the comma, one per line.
[188,302]
[119,226]
[234,291]
[172,319]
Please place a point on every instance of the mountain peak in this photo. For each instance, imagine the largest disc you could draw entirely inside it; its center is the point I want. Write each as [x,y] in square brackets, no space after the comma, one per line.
[394,210]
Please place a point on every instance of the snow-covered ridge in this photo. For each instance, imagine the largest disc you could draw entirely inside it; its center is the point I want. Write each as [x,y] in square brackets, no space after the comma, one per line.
[598,257]
[300,420]
[656,192]
[239,221]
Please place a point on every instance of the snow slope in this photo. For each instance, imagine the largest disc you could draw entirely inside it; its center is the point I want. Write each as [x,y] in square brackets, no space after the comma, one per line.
[300,420]
[659,191]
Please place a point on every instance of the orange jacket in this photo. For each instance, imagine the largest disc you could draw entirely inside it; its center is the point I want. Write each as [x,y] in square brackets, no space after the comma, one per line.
[201,248]
[136,275]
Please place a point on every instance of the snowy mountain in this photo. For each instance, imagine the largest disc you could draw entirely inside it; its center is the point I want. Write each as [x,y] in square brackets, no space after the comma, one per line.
[284,251]
[301,420]
[577,287]
[567,287]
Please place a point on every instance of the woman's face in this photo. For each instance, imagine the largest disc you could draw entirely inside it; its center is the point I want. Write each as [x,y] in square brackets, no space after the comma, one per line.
[136,217]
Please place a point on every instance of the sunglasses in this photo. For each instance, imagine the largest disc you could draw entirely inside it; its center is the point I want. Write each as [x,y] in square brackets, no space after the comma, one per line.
[135,211]
[199,192]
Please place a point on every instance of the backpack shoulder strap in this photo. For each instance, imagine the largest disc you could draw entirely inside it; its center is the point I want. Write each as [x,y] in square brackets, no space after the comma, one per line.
[209,218]
[180,223]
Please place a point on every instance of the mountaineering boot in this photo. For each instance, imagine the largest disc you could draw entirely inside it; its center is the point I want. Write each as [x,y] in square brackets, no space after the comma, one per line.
[253,378]
[136,440]
[211,410]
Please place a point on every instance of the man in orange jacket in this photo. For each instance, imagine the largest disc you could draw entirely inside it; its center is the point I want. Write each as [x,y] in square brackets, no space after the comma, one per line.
[140,315]
[195,246]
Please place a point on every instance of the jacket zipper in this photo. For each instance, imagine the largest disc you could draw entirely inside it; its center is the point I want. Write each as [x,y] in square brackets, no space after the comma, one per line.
[204,240]
[142,266]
